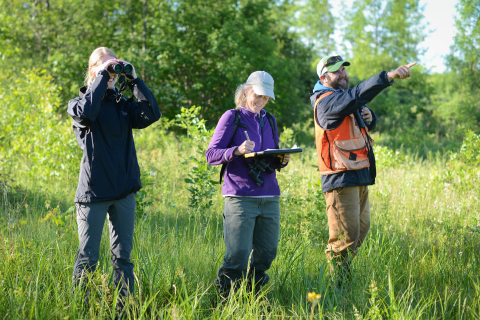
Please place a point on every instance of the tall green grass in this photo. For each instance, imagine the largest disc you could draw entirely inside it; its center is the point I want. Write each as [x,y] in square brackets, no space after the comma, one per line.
[420,259]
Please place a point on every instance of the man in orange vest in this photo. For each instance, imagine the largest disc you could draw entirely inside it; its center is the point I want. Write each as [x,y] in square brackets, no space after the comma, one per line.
[345,155]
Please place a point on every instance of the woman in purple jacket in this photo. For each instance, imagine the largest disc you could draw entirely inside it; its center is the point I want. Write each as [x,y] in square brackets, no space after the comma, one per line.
[251,218]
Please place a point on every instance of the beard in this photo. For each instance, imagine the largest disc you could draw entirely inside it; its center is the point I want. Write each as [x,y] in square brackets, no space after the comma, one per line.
[336,84]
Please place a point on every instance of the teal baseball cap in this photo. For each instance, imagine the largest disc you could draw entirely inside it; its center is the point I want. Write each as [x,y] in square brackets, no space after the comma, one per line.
[330,64]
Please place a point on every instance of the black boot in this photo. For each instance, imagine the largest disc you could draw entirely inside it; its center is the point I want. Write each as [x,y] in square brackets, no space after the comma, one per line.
[343,271]
[81,283]
[223,290]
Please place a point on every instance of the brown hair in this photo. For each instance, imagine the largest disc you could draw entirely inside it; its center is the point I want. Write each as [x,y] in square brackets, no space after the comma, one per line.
[96,55]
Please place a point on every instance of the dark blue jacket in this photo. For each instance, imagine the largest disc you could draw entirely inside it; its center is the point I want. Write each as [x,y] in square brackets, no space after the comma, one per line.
[333,109]
[103,125]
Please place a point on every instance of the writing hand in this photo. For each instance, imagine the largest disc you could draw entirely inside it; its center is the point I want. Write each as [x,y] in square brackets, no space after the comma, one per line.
[246,147]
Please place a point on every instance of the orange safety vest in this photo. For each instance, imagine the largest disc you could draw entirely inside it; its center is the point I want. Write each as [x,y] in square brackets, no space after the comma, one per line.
[343,148]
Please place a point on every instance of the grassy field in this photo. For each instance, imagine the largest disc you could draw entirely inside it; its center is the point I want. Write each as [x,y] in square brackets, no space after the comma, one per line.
[420,259]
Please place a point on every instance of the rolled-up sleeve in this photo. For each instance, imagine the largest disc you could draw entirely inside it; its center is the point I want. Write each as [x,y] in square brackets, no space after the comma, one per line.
[218,151]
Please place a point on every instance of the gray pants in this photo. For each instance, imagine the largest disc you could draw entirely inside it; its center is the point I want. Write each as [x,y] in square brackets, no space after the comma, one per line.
[250,227]
[90,220]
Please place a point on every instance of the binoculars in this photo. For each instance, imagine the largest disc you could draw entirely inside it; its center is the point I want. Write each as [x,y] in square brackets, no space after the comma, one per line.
[257,168]
[120,68]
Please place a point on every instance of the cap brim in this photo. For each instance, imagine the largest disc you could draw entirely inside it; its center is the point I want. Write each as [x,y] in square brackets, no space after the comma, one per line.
[262,91]
[336,66]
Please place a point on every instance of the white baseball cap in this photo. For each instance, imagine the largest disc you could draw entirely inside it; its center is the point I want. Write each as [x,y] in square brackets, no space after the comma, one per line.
[262,83]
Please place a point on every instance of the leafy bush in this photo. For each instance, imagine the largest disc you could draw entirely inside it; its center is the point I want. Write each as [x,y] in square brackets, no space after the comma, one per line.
[34,140]
[385,157]
[287,138]
[470,151]
[202,183]
[463,167]
[58,217]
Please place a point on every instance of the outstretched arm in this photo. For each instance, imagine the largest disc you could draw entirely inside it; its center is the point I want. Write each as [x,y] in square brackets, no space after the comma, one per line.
[336,106]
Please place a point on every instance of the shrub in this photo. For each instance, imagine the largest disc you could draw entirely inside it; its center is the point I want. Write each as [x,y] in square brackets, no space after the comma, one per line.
[470,151]
[202,183]
[463,166]
[34,140]
[385,157]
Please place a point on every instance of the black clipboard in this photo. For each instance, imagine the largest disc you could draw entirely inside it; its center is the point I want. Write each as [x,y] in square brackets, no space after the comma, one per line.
[273,152]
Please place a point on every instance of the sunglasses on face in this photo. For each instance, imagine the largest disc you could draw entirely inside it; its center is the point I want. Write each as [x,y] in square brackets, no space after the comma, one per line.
[331,61]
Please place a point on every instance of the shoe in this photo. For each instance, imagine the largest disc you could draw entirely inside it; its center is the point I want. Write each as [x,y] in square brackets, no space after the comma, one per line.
[222,292]
[343,271]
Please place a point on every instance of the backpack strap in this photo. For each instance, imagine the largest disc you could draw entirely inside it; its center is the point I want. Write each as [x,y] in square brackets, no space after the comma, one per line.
[236,124]
[272,125]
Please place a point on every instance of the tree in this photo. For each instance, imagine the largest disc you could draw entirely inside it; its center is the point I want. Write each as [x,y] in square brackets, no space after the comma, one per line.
[205,49]
[461,105]
[316,25]
[382,35]
[190,52]
[58,36]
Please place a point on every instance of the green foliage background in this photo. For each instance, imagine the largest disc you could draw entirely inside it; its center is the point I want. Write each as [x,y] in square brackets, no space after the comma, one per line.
[196,52]
[34,139]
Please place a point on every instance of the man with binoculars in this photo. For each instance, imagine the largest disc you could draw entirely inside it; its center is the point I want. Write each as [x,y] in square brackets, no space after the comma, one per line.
[345,155]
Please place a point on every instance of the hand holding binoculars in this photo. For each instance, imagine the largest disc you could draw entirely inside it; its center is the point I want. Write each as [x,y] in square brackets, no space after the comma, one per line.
[120,67]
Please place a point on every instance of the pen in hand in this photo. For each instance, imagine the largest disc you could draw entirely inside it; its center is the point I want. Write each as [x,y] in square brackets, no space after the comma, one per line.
[246,147]
[249,145]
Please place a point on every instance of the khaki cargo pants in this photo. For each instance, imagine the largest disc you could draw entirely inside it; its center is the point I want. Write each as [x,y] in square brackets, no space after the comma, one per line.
[348,212]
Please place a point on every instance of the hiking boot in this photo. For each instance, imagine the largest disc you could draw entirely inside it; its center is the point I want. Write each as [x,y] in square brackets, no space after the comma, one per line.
[340,269]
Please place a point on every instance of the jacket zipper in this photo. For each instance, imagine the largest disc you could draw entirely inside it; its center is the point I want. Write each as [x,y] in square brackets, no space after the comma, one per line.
[262,124]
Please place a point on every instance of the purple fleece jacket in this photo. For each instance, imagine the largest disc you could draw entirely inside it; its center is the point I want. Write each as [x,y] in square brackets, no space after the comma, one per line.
[236,180]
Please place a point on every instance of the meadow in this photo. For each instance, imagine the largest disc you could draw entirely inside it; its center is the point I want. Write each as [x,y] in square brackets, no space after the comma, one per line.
[420,259]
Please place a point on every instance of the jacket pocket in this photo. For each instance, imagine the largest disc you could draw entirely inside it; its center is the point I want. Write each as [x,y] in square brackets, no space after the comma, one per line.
[82,212]
[350,154]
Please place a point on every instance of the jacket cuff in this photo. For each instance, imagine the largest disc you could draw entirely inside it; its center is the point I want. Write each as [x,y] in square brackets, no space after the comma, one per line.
[228,155]
[373,124]
[133,82]
[102,74]
[384,76]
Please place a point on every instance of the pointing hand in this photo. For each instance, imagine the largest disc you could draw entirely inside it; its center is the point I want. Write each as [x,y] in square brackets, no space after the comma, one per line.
[402,72]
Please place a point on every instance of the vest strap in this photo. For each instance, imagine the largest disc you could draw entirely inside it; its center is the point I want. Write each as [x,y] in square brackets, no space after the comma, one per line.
[342,148]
